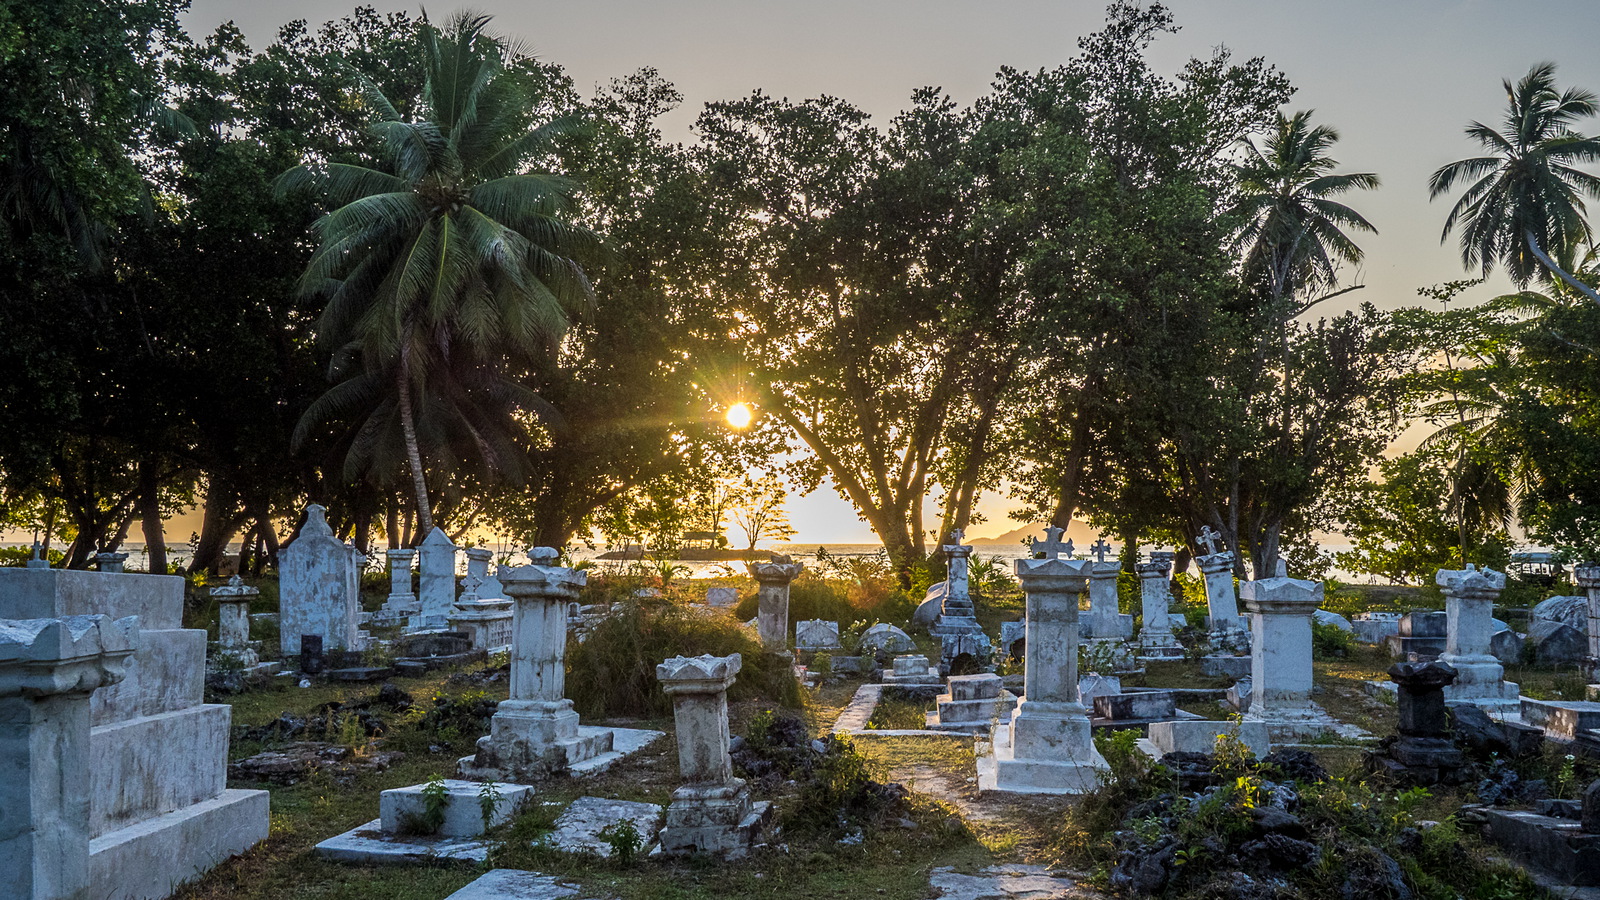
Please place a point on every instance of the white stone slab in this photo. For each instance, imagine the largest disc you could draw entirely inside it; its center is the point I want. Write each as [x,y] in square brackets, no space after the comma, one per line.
[514,884]
[369,845]
[577,830]
[1200,736]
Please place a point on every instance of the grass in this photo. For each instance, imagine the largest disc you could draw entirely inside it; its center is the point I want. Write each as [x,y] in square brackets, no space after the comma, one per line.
[897,714]
[893,862]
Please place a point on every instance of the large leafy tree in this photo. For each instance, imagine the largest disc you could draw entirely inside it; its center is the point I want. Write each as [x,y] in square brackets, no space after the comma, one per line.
[1523,208]
[445,266]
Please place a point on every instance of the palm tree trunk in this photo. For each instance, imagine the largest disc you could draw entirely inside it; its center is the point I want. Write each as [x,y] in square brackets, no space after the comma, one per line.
[1580,287]
[419,480]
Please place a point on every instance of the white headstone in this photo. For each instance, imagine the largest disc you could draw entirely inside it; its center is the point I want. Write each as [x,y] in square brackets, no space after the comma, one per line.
[317,588]
[437,581]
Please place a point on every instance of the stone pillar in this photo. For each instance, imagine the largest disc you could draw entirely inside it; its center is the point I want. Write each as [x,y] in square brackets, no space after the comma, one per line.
[536,733]
[1156,640]
[1227,629]
[48,669]
[401,601]
[1424,746]
[711,812]
[436,592]
[1105,618]
[1048,748]
[1589,581]
[1469,596]
[110,562]
[488,586]
[772,619]
[1280,658]
[233,618]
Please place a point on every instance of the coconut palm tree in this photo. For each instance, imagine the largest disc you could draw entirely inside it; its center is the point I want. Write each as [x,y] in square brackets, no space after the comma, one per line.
[1524,207]
[1292,240]
[1292,232]
[452,252]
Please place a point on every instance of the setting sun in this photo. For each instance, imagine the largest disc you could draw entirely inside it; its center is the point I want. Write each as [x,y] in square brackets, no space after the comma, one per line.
[740,415]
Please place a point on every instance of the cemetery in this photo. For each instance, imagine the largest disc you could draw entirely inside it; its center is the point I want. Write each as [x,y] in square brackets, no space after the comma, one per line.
[433,470]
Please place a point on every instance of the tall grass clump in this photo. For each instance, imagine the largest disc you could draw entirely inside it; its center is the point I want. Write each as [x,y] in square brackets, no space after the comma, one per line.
[613,673]
[863,598]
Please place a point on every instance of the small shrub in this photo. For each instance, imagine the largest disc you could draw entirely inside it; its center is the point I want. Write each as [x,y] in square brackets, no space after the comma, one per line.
[613,673]
[488,802]
[1330,641]
[624,839]
[435,798]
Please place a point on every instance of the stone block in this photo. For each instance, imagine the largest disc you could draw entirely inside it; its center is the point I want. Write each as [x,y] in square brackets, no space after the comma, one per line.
[1217,666]
[1092,686]
[1200,736]
[910,665]
[1238,696]
[150,859]
[1141,706]
[1567,718]
[722,597]
[975,687]
[463,812]
[970,713]
[1324,617]
[577,829]
[167,673]
[53,593]
[154,765]
[1556,644]
[1424,623]
[1506,646]
[1556,847]
[1374,628]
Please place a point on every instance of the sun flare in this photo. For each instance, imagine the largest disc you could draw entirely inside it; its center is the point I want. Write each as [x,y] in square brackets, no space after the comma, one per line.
[740,415]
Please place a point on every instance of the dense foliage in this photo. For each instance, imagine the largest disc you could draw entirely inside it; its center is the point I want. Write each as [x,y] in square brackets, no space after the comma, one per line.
[1092,287]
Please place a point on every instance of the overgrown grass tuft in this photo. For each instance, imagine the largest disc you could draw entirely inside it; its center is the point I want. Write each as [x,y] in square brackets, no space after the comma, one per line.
[613,673]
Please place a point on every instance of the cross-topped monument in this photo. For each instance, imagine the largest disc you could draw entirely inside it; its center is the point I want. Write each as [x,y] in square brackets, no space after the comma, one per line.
[1100,549]
[956,537]
[1210,539]
[1052,547]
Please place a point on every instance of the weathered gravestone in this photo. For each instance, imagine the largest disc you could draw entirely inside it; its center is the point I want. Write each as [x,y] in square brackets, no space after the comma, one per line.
[772,588]
[1046,745]
[815,634]
[436,581]
[318,588]
[712,811]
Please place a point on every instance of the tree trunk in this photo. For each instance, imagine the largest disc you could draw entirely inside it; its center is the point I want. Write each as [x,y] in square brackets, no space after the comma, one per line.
[217,526]
[155,544]
[419,478]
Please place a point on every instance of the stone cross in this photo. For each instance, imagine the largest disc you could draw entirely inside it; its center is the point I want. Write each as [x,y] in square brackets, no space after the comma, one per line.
[1209,538]
[1100,549]
[38,561]
[957,536]
[1051,547]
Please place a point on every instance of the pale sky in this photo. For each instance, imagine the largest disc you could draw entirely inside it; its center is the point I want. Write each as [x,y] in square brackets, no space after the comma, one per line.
[1398,78]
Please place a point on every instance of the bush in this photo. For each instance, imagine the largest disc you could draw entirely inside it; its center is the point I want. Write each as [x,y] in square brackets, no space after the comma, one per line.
[613,673]
[1330,641]
[812,596]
